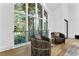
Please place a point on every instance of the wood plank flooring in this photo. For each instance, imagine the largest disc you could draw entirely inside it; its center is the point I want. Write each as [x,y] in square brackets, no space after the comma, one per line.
[56,49]
[21,51]
[60,49]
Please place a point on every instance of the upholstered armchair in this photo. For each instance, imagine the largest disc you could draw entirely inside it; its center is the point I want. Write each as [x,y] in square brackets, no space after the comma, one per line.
[57,37]
[40,47]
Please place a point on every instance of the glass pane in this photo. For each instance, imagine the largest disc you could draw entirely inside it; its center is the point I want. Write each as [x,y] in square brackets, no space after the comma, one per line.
[45,15]
[19,23]
[40,27]
[20,37]
[20,7]
[39,10]
[19,26]
[31,26]
[20,17]
[45,33]
[45,24]
[31,9]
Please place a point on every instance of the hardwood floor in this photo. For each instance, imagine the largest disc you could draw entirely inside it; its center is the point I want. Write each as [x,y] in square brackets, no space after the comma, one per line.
[60,49]
[56,49]
[21,51]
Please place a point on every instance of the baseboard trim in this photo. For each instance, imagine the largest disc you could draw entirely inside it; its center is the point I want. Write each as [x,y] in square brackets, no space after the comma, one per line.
[6,48]
[12,47]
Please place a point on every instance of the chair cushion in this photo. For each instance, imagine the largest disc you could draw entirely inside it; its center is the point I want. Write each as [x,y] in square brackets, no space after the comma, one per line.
[38,37]
[56,34]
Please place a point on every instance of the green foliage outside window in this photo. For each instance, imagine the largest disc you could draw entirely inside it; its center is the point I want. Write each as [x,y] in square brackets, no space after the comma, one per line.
[31,9]
[19,37]
[39,10]
[20,23]
[20,7]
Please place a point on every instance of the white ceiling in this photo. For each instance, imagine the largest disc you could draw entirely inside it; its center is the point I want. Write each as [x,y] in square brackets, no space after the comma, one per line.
[53,6]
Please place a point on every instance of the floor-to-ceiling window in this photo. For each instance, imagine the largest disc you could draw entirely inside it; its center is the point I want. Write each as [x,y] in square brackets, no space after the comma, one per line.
[37,21]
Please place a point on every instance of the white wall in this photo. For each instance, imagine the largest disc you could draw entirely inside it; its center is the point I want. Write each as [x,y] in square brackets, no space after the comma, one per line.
[6,26]
[56,19]
[65,11]
[50,24]
[74,19]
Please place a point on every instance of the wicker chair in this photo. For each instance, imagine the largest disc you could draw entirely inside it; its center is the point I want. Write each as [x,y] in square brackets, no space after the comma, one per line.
[40,47]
